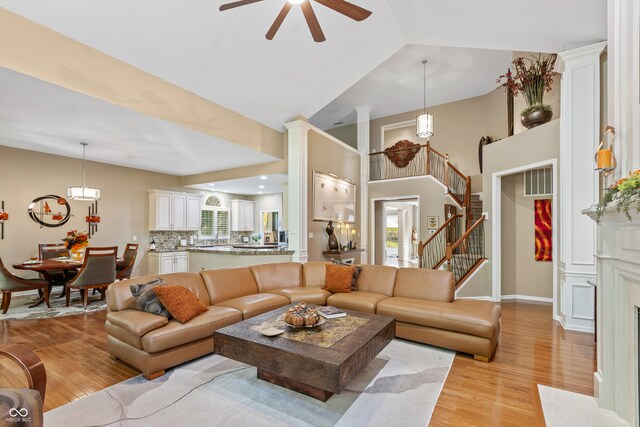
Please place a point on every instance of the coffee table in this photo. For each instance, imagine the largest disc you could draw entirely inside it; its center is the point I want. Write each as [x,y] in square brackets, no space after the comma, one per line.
[314,361]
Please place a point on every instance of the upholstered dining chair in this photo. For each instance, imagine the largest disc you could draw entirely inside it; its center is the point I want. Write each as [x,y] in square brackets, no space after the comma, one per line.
[125,268]
[98,271]
[24,402]
[10,283]
[54,250]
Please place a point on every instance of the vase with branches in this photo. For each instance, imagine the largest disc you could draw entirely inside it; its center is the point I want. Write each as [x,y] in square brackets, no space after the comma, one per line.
[531,77]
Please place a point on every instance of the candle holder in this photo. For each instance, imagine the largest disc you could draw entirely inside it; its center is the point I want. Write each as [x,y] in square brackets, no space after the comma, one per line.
[604,157]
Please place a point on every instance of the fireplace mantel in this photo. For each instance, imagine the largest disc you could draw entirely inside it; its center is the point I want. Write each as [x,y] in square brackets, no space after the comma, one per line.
[618,297]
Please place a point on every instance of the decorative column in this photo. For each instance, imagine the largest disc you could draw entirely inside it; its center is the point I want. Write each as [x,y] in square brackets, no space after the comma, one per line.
[579,136]
[363,147]
[298,194]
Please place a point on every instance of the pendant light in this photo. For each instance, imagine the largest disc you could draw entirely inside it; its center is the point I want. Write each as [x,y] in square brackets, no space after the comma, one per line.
[424,122]
[83,193]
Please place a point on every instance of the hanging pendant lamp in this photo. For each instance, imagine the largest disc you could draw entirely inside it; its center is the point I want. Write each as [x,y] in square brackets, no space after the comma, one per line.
[83,193]
[424,122]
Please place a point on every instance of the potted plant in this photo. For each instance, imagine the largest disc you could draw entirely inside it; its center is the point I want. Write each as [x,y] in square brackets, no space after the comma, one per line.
[531,77]
[625,192]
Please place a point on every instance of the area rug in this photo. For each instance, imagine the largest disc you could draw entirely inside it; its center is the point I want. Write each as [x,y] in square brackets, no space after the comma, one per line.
[20,302]
[400,387]
[563,408]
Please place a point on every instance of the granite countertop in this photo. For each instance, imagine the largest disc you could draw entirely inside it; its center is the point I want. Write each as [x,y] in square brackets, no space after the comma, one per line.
[228,250]
[168,250]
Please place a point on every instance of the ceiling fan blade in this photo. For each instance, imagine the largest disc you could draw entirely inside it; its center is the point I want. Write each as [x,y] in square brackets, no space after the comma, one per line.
[347,9]
[276,24]
[312,22]
[237,4]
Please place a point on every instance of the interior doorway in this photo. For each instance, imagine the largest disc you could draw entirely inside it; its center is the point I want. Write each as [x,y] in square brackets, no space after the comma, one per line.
[397,224]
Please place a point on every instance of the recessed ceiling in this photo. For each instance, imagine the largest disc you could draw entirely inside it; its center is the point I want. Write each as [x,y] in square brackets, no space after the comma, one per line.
[39,116]
[249,186]
[396,85]
[225,58]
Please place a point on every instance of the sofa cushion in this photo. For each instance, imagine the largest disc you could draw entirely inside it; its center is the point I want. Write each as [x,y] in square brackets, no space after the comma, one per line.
[311,295]
[119,295]
[147,299]
[175,334]
[137,322]
[252,305]
[358,301]
[180,302]
[228,283]
[379,279]
[277,275]
[338,278]
[469,317]
[421,283]
[314,274]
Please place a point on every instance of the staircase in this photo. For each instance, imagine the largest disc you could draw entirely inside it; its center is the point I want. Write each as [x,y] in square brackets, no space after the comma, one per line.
[466,254]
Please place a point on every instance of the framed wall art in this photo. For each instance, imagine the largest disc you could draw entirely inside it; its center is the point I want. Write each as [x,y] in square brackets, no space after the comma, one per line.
[432,222]
[333,198]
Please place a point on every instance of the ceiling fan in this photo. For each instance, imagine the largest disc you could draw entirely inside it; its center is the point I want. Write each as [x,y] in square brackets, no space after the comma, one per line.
[348,9]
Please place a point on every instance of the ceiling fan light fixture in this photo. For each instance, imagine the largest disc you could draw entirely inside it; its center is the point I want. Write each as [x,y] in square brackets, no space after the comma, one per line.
[83,193]
[424,122]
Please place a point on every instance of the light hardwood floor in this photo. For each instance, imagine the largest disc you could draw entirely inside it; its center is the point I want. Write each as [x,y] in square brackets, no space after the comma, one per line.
[533,350]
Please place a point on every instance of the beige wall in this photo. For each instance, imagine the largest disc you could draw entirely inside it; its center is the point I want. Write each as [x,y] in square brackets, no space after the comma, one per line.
[536,145]
[521,274]
[325,156]
[347,134]
[123,206]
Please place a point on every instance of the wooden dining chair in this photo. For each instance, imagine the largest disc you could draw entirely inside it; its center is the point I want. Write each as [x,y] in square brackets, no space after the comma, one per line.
[125,268]
[10,283]
[98,271]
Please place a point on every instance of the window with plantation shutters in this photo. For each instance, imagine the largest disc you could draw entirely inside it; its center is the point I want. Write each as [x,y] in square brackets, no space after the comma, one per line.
[214,219]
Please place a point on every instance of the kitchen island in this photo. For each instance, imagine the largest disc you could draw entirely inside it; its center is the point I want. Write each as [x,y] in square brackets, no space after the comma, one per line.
[208,257]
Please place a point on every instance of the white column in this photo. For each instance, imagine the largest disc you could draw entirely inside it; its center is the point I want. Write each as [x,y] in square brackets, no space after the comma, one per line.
[363,147]
[579,136]
[298,194]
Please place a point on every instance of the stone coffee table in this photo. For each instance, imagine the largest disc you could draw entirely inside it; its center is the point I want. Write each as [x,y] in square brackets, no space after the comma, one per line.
[316,361]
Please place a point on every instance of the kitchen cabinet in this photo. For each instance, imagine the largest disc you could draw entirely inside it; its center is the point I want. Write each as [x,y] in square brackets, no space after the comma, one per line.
[173,211]
[241,215]
[168,262]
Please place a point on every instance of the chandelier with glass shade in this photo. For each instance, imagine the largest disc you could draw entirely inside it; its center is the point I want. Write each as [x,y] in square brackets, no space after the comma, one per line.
[424,122]
[83,193]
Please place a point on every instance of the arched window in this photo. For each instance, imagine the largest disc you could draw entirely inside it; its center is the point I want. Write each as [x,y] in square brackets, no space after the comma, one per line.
[214,218]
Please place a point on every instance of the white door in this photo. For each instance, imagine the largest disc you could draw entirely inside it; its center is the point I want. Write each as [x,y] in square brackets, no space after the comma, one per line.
[248,217]
[179,210]
[163,212]
[193,213]
[166,264]
[181,264]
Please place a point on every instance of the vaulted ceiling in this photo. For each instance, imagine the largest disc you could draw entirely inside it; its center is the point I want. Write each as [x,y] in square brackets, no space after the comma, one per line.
[225,58]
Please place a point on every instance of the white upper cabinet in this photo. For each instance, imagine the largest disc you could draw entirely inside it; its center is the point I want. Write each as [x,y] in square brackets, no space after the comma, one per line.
[173,211]
[241,215]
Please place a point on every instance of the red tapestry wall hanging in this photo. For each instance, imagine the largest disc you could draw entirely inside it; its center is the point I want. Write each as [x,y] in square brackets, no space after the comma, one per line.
[543,229]
[402,152]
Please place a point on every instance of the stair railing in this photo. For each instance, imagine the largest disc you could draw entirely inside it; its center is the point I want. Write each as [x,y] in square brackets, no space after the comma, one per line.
[432,253]
[467,252]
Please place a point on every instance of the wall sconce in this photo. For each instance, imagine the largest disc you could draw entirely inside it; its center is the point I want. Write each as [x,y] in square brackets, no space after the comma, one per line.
[4,216]
[93,218]
[604,158]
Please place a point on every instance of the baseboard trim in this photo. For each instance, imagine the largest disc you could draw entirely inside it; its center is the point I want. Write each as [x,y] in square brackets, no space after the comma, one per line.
[526,298]
[481,298]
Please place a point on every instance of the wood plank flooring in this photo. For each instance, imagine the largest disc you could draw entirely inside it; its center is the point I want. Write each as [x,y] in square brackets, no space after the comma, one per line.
[533,350]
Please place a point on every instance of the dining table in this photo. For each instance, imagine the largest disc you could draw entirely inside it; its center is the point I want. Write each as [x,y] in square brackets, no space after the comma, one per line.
[46,266]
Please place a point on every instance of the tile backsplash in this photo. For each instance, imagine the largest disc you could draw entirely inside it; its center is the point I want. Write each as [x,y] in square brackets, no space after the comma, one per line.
[171,239]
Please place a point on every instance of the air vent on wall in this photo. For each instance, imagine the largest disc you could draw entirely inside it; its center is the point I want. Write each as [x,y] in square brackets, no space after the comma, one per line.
[538,182]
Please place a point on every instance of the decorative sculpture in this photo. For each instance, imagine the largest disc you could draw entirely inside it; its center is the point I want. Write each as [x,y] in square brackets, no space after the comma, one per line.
[333,241]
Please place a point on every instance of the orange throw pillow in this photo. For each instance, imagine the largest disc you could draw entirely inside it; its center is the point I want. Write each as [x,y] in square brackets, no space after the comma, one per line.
[338,278]
[180,302]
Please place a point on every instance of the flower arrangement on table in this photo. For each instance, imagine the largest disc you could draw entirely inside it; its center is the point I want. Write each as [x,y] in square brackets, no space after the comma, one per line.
[76,240]
[531,77]
[625,192]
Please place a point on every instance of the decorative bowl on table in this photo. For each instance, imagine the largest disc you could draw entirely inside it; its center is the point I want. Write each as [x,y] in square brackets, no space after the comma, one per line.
[302,316]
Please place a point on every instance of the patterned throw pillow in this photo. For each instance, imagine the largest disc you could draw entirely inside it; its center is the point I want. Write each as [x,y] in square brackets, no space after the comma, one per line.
[147,299]
[338,278]
[183,304]
[356,273]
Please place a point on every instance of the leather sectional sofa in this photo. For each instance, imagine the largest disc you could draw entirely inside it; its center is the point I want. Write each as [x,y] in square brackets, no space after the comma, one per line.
[422,301]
